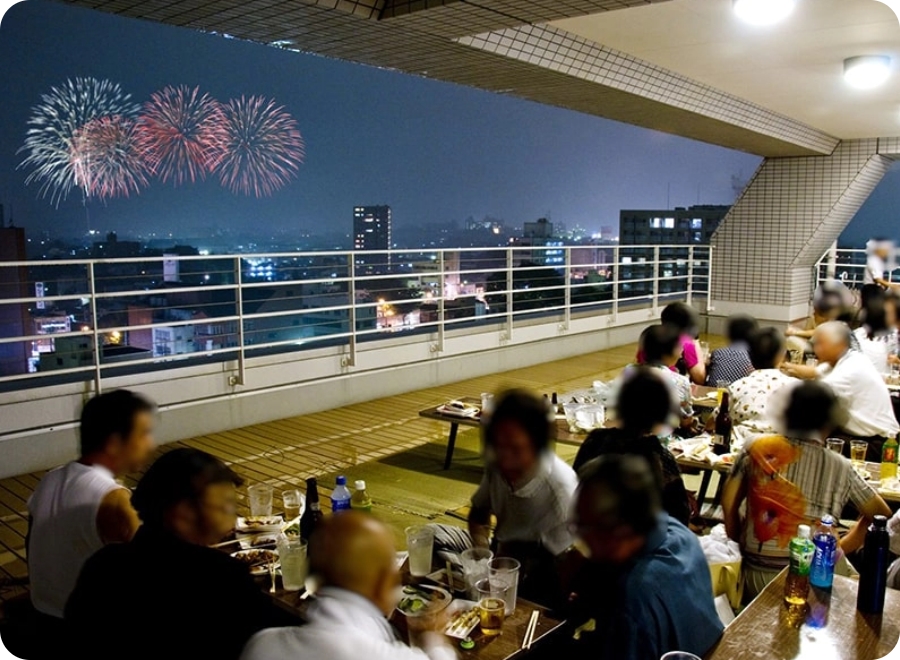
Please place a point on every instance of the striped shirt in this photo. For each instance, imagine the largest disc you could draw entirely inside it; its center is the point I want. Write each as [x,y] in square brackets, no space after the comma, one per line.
[791,482]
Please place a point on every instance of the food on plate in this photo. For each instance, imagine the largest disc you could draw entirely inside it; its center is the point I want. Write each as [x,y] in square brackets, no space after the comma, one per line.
[292,530]
[462,622]
[261,521]
[421,600]
[255,557]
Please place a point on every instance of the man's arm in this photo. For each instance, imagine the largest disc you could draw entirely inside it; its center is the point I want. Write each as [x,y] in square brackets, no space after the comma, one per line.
[733,495]
[480,526]
[856,537]
[117,521]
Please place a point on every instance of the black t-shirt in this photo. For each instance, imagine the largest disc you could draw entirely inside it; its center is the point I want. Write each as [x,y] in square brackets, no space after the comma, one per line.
[158,596]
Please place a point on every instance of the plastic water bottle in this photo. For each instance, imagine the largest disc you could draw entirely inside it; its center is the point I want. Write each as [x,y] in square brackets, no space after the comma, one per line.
[340,496]
[361,500]
[796,588]
[821,574]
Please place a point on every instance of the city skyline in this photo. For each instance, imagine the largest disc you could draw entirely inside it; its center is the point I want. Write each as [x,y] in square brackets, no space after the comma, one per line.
[435,152]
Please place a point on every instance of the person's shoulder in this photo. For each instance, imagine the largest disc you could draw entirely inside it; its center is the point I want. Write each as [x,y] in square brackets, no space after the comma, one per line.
[561,474]
[275,643]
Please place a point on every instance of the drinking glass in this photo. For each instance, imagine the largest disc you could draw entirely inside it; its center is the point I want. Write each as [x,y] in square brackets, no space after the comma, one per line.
[704,351]
[260,496]
[858,452]
[292,555]
[571,412]
[503,573]
[420,544]
[293,502]
[836,445]
[475,567]
[491,605]
[679,655]
[812,362]
[487,403]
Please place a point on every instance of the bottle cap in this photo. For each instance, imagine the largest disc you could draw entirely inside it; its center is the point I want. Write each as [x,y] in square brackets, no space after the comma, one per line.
[879,522]
[360,484]
[467,644]
[803,531]
[341,480]
[827,519]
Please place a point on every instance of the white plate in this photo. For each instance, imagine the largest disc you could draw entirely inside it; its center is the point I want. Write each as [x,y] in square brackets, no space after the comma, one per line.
[268,524]
[251,541]
[262,569]
[461,606]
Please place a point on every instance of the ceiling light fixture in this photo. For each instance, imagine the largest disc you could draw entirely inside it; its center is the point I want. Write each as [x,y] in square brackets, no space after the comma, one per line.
[867,71]
[763,12]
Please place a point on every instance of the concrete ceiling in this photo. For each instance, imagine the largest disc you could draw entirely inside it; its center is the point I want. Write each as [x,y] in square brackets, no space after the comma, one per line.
[577,54]
[794,67]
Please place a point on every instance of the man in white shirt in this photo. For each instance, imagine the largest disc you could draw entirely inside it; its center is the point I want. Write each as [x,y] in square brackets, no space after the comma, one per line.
[874,281]
[353,557]
[858,385]
[80,507]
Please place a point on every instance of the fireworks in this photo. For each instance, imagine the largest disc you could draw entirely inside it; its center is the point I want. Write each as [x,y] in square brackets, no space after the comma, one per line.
[49,142]
[87,134]
[263,148]
[106,159]
[181,133]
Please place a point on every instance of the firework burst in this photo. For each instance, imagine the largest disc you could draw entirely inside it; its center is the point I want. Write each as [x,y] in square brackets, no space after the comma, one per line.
[181,133]
[56,121]
[263,148]
[106,158]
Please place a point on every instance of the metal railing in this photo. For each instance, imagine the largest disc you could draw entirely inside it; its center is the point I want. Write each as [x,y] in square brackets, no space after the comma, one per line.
[847,266]
[81,320]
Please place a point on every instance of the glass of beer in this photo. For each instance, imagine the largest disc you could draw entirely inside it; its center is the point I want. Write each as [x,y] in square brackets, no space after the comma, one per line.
[491,606]
[293,501]
[836,445]
[858,452]
[721,387]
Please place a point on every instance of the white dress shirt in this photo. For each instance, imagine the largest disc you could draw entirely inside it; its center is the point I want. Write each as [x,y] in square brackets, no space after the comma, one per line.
[858,384]
[342,626]
[875,268]
[877,349]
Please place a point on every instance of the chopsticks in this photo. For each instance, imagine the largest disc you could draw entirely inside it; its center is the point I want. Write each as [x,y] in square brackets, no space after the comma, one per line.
[530,630]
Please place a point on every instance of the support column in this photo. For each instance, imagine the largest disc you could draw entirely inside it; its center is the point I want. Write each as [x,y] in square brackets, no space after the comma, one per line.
[784,221]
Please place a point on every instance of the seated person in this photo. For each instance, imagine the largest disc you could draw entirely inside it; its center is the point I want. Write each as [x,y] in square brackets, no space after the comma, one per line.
[827,306]
[166,593]
[732,362]
[687,320]
[792,479]
[860,388]
[352,556]
[660,348]
[80,507]
[527,488]
[750,394]
[877,333]
[646,411]
[646,584]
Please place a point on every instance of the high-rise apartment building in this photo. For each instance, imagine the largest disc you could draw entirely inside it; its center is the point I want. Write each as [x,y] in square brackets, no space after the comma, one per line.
[372,233]
[693,225]
[14,317]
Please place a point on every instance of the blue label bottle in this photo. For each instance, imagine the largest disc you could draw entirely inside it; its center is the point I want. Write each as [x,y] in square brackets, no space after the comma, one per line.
[821,573]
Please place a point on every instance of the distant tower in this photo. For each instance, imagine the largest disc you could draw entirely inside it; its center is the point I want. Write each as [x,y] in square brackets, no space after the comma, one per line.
[372,232]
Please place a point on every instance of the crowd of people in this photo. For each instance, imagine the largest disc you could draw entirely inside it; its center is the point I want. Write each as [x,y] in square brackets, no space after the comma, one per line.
[606,542]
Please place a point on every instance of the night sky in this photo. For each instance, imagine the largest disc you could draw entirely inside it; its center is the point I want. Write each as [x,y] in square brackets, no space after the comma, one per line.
[435,152]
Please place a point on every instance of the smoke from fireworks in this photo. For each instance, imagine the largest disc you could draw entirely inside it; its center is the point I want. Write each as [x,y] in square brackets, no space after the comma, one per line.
[49,141]
[106,159]
[181,133]
[263,148]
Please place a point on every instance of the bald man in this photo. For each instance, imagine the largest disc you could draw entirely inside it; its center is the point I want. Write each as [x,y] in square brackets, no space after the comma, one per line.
[857,384]
[353,556]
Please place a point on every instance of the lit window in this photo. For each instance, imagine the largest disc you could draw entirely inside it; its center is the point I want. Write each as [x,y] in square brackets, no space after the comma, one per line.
[669,223]
[697,223]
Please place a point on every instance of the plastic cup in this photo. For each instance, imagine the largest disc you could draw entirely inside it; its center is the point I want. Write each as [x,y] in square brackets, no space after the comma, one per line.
[292,556]
[293,502]
[571,412]
[503,573]
[491,605]
[858,449]
[836,445]
[721,387]
[475,567]
[487,403]
[420,544]
[260,496]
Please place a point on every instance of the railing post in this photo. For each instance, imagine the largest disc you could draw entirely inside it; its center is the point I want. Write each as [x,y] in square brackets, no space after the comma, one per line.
[92,282]
[690,276]
[350,361]
[239,301]
[568,284]
[616,270]
[655,305]
[441,317]
[509,293]
[709,305]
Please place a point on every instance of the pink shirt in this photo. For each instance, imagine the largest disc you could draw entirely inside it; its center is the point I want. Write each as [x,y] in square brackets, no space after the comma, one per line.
[688,352]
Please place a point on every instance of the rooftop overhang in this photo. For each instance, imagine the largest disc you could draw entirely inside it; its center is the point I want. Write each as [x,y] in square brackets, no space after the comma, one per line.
[680,66]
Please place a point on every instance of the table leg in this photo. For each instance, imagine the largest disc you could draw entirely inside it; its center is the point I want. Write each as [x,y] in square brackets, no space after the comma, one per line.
[704,489]
[451,443]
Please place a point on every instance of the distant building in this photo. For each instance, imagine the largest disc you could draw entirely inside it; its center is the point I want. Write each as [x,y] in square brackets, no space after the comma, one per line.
[14,318]
[694,225]
[371,233]
[113,248]
[540,234]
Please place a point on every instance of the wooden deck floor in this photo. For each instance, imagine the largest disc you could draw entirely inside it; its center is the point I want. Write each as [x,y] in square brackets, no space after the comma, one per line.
[286,452]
